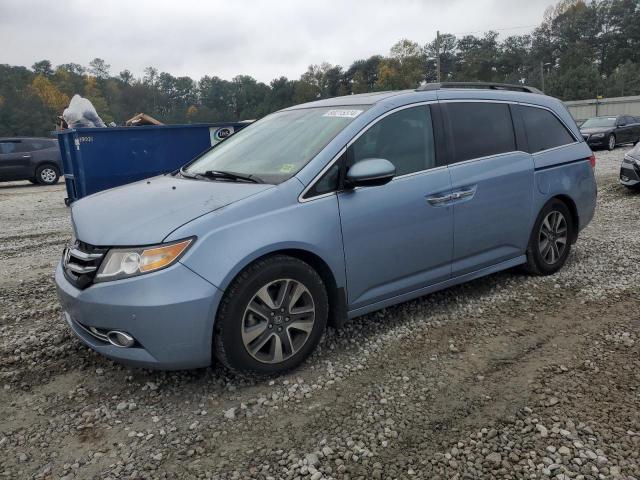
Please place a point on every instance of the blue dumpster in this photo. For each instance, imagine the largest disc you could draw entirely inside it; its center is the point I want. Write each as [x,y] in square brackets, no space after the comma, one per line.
[95,159]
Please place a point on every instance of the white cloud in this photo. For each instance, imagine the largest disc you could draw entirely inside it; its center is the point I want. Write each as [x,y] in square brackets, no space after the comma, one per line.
[265,39]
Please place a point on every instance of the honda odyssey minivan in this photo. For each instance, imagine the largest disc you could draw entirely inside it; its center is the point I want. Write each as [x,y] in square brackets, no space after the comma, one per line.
[323,212]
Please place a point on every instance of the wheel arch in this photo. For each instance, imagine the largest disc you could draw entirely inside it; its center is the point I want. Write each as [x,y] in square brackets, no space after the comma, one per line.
[46,163]
[336,294]
[573,209]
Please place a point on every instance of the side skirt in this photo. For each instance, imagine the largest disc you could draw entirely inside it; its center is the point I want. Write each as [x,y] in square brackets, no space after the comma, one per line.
[438,286]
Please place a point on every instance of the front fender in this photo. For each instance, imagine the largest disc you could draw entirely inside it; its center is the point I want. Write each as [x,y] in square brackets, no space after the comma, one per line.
[235,236]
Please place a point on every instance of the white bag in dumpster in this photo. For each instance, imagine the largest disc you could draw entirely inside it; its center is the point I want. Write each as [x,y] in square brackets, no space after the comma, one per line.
[81,113]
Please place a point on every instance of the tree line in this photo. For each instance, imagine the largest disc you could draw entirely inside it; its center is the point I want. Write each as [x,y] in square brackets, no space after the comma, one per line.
[582,49]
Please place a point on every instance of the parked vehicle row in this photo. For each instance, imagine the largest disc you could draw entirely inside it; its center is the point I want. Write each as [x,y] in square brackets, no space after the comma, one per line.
[322,212]
[33,159]
[608,132]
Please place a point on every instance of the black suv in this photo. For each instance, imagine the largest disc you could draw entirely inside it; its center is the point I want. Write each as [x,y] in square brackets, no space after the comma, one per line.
[33,159]
[607,132]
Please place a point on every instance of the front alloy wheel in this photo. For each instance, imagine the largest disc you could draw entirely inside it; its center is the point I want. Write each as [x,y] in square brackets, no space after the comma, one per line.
[271,317]
[278,321]
[612,142]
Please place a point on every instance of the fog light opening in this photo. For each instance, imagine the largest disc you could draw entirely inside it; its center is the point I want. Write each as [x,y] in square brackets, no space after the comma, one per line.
[120,339]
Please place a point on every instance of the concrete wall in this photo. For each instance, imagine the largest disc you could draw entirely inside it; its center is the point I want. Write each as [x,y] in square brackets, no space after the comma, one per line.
[583,109]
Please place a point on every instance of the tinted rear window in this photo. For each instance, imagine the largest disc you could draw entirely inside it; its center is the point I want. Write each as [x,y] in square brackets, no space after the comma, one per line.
[544,130]
[480,129]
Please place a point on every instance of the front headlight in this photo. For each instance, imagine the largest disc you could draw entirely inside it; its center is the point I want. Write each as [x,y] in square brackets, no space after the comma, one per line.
[129,262]
[631,159]
[597,135]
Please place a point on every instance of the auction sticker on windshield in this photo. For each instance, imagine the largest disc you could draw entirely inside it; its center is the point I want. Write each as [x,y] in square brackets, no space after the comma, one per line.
[343,113]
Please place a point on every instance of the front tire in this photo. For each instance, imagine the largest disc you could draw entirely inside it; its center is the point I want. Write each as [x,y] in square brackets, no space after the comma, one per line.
[47,175]
[271,317]
[550,241]
[611,142]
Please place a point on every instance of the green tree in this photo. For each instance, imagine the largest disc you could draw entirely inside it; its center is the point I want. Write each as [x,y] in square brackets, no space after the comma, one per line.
[43,67]
[99,68]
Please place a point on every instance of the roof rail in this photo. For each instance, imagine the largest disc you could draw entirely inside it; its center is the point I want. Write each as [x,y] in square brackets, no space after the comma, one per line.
[479,85]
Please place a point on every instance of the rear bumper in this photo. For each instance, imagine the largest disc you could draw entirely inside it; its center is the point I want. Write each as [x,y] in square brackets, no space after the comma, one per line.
[169,313]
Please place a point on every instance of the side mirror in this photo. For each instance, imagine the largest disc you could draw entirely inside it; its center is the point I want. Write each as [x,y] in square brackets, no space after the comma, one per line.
[622,123]
[370,172]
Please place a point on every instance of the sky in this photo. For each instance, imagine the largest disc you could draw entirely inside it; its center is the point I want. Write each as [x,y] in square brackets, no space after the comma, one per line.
[264,39]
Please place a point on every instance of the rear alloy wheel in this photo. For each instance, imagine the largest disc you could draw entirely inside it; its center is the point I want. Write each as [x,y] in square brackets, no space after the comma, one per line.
[611,143]
[550,241]
[47,175]
[552,237]
[271,317]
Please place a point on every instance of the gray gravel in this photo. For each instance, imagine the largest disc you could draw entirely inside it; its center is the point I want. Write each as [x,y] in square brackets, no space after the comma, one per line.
[505,377]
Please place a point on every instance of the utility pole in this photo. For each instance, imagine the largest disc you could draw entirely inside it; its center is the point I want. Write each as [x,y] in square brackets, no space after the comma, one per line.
[438,54]
[542,74]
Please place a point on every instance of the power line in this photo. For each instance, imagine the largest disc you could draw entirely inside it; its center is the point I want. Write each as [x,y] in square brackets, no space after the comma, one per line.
[495,30]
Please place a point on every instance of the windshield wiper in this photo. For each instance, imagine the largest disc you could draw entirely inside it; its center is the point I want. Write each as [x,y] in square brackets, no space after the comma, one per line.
[234,177]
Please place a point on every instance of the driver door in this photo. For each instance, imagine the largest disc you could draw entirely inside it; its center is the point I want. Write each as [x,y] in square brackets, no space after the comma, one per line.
[397,237]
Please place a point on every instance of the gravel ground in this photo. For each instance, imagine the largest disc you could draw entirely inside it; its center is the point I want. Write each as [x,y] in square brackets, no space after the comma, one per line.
[506,377]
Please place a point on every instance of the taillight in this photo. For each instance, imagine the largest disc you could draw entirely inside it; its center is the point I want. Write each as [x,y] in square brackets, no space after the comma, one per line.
[592,160]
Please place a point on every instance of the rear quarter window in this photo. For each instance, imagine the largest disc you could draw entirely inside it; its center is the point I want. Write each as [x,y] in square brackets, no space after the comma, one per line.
[544,130]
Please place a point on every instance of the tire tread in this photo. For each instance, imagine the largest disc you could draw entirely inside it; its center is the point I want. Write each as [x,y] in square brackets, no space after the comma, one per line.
[232,292]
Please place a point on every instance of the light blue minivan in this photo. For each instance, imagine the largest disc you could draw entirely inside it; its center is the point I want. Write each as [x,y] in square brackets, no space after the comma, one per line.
[323,212]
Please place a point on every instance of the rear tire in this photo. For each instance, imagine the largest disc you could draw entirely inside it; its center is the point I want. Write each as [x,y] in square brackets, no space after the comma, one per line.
[550,241]
[271,317]
[47,175]
[611,142]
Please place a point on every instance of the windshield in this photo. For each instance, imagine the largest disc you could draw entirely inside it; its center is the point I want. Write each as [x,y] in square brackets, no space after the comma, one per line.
[599,122]
[275,148]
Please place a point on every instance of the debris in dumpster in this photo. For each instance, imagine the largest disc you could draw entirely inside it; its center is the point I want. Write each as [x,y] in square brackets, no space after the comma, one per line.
[81,113]
[142,119]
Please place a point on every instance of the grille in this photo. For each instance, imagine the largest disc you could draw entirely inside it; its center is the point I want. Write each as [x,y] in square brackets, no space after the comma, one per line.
[81,262]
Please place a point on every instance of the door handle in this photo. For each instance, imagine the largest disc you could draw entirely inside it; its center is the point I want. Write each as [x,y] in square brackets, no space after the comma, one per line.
[462,194]
[439,199]
[26,156]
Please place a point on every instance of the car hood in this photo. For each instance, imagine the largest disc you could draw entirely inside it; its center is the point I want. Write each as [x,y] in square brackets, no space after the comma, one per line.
[145,212]
[596,130]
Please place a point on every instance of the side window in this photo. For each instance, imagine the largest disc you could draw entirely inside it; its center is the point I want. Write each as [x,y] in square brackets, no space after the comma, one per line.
[480,129]
[544,130]
[405,138]
[12,147]
[7,147]
[36,145]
